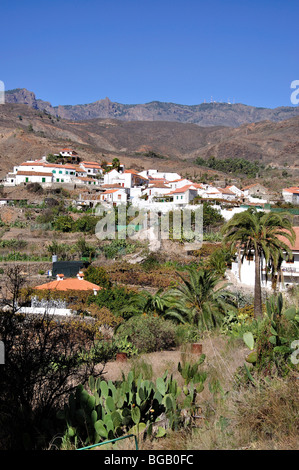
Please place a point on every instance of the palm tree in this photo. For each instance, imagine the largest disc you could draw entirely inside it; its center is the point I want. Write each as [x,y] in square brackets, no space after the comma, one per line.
[145,302]
[259,233]
[199,300]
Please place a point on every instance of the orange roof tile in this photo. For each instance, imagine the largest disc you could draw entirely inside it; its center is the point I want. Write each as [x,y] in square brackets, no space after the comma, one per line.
[293,190]
[57,165]
[110,191]
[35,163]
[183,189]
[295,246]
[33,173]
[69,284]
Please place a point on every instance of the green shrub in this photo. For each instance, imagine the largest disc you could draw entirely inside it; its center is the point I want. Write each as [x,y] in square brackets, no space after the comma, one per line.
[149,333]
[97,275]
[113,298]
[118,248]
[86,223]
[64,223]
[187,334]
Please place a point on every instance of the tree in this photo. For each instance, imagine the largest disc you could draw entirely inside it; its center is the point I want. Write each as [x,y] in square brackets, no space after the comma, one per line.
[44,361]
[199,300]
[115,163]
[51,158]
[14,282]
[259,233]
[211,216]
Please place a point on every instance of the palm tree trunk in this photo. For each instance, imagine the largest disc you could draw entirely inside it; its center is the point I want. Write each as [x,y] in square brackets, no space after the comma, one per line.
[258,313]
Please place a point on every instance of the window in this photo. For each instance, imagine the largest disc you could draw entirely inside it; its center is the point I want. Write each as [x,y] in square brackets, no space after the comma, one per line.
[43,180]
[290,260]
[66,172]
[250,257]
[60,172]
[26,179]
[54,171]
[57,180]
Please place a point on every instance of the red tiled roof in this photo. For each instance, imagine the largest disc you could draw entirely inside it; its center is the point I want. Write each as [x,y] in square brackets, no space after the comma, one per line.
[110,191]
[91,165]
[183,189]
[57,165]
[295,246]
[33,173]
[293,190]
[69,284]
[35,163]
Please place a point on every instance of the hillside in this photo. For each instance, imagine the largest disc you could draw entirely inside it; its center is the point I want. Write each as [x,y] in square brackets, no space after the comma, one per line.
[204,114]
[27,133]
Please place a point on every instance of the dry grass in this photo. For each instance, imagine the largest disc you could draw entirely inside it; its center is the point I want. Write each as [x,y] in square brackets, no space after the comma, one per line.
[235,417]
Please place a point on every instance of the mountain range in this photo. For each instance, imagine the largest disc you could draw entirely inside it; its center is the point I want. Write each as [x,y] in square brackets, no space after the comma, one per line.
[30,128]
[204,114]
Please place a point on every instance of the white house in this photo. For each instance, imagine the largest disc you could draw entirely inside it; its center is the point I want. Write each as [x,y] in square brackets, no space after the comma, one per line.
[127,178]
[60,173]
[183,195]
[227,194]
[114,196]
[245,272]
[291,194]
[70,154]
[238,192]
[210,192]
[168,176]
[256,190]
[156,190]
[179,183]
[91,169]
[33,177]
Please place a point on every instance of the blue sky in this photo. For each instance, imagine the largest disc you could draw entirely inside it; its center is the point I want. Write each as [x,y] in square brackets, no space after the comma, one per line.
[136,51]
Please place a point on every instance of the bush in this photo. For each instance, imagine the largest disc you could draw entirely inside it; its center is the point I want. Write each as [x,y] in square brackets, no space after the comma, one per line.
[118,248]
[187,334]
[148,333]
[64,223]
[86,223]
[113,298]
[97,275]
[44,361]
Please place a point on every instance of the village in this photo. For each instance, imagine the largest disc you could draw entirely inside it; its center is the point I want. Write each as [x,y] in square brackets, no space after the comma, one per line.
[114,184]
